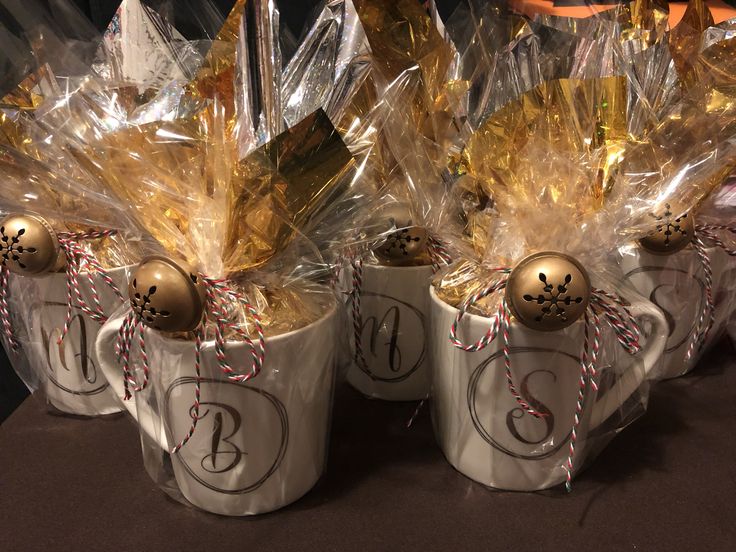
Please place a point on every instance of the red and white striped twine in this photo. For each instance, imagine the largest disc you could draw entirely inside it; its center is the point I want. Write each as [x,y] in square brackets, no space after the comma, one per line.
[356,291]
[131,327]
[5,310]
[703,233]
[438,253]
[219,296]
[77,261]
[603,303]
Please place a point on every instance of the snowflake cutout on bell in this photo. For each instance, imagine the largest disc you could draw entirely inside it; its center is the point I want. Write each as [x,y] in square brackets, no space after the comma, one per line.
[167,295]
[673,232]
[548,291]
[29,245]
[404,240]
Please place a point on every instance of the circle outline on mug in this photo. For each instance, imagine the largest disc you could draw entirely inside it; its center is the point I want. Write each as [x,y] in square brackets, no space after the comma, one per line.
[473,383]
[48,342]
[422,354]
[660,269]
[283,418]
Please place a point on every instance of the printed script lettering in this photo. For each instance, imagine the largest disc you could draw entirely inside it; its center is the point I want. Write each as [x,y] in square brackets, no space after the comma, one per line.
[85,365]
[517,413]
[392,320]
[224,454]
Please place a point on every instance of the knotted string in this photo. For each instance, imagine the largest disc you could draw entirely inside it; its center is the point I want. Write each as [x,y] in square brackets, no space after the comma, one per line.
[77,261]
[131,327]
[706,232]
[219,299]
[438,253]
[603,305]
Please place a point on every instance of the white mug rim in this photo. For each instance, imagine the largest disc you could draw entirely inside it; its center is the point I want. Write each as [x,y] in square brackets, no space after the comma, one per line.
[210,343]
[412,268]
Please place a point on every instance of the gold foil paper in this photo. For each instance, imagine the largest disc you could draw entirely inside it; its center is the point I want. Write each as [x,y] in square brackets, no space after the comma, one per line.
[159,172]
[409,52]
[216,76]
[582,120]
[464,279]
[716,70]
[686,39]
[401,33]
[30,93]
[280,188]
[649,19]
[284,307]
[20,104]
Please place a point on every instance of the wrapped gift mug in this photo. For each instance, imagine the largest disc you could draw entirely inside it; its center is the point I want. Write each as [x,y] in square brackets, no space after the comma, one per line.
[676,284]
[678,267]
[259,445]
[389,309]
[484,430]
[389,334]
[62,312]
[74,383]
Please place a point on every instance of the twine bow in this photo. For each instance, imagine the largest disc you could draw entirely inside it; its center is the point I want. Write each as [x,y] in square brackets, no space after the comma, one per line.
[77,261]
[603,305]
[219,301]
[705,320]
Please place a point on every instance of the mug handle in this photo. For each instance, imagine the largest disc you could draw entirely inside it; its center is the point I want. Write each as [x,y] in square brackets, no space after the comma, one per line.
[633,377]
[145,417]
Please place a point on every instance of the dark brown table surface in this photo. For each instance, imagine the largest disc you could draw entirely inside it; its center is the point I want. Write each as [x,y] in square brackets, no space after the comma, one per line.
[668,482]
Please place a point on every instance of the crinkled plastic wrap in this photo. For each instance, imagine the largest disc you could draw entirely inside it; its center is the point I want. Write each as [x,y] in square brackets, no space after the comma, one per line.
[694,287]
[234,411]
[60,110]
[395,252]
[565,167]
[54,331]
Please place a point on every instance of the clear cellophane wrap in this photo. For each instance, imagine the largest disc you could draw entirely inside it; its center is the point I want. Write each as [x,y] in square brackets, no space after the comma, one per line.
[694,287]
[416,110]
[572,143]
[43,123]
[255,176]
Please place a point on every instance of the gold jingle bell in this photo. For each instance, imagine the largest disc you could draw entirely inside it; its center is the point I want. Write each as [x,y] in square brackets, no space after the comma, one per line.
[674,231]
[548,291]
[168,296]
[29,245]
[404,240]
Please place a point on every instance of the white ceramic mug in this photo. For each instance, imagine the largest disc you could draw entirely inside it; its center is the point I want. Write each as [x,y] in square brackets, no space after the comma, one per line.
[395,310]
[483,431]
[72,380]
[675,283]
[259,445]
